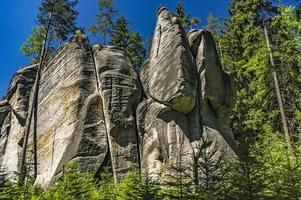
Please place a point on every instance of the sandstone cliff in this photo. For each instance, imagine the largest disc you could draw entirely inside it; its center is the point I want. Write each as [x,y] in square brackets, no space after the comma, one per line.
[94,109]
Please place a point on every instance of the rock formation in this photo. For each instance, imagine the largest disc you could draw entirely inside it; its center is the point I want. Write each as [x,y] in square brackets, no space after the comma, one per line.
[95,110]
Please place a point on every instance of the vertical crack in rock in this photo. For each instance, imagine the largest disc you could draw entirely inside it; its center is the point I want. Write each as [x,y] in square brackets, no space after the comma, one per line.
[95,110]
[70,122]
[218,91]
[17,97]
[174,66]
[120,92]
[107,158]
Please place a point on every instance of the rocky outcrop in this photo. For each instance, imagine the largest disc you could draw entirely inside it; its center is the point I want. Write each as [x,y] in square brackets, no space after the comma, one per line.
[169,77]
[173,136]
[15,108]
[217,88]
[120,91]
[70,122]
[95,110]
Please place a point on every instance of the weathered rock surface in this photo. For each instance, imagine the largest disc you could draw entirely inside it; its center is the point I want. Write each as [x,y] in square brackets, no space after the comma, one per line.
[93,109]
[5,108]
[170,77]
[121,92]
[218,91]
[70,122]
[13,123]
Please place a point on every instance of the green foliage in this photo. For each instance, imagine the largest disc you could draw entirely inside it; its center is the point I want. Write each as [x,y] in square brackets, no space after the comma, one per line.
[130,42]
[106,186]
[245,56]
[212,23]
[63,17]
[74,185]
[194,21]
[267,171]
[182,17]
[130,188]
[104,21]
[34,43]
[13,191]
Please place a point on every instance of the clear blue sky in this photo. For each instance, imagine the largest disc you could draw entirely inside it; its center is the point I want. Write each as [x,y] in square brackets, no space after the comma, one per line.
[18,16]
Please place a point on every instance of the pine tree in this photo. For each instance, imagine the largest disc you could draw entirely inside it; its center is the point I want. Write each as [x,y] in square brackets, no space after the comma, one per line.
[130,42]
[73,185]
[106,186]
[56,17]
[62,24]
[33,44]
[104,21]
[212,23]
[63,17]
[257,114]
[182,17]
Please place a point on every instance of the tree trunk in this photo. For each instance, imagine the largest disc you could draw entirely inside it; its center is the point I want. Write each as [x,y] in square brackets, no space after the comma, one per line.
[32,111]
[278,93]
[221,52]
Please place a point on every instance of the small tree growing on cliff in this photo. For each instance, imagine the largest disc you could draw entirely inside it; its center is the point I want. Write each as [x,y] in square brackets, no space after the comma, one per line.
[182,17]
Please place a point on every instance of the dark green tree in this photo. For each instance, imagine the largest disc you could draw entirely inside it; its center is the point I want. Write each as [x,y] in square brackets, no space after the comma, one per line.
[63,17]
[257,113]
[57,19]
[62,24]
[130,42]
[182,17]
[104,22]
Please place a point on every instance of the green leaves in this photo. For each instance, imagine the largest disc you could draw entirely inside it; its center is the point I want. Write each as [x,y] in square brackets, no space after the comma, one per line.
[185,19]
[61,17]
[34,43]
[130,42]
[182,17]
[104,19]
[64,15]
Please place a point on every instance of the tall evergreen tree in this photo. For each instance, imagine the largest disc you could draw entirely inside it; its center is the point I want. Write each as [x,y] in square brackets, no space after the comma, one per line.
[257,113]
[57,17]
[104,22]
[182,17]
[62,24]
[130,42]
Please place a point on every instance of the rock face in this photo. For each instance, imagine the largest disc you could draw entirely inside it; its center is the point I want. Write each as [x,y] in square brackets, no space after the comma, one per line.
[95,110]
[14,113]
[121,92]
[170,75]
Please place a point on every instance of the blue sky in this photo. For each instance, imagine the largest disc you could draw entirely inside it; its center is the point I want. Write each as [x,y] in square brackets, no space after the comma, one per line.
[18,16]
